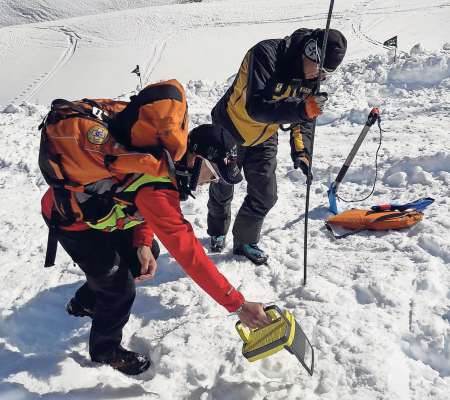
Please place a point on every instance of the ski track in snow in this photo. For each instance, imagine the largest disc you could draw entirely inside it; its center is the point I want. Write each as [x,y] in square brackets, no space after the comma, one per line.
[34,88]
[377,305]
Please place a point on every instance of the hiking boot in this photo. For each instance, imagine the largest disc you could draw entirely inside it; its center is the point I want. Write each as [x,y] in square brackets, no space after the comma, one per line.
[125,361]
[77,310]
[252,252]
[217,244]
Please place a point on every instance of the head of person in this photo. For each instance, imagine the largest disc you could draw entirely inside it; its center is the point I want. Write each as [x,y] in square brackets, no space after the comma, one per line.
[305,52]
[217,146]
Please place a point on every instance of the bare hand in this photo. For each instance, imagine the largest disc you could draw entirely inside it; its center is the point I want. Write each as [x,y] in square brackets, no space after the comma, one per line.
[253,316]
[148,263]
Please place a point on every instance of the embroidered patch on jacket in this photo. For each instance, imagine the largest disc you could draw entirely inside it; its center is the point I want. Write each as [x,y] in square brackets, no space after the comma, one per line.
[279,88]
[98,134]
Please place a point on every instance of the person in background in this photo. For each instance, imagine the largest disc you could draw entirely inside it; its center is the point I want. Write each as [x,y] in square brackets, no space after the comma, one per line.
[275,84]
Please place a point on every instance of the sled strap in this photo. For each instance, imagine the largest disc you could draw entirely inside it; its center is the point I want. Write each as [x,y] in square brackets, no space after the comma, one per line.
[344,235]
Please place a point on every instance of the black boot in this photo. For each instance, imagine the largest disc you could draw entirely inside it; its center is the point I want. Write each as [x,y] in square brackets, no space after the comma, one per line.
[77,310]
[252,252]
[125,361]
[217,244]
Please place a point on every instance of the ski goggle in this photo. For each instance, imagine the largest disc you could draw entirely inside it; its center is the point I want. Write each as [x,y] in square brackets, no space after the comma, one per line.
[314,53]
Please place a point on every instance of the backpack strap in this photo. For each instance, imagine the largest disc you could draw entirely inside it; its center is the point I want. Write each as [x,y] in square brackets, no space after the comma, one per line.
[63,109]
[52,240]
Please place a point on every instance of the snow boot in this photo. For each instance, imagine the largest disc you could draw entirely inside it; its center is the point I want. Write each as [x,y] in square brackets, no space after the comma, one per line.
[252,252]
[77,310]
[217,243]
[125,361]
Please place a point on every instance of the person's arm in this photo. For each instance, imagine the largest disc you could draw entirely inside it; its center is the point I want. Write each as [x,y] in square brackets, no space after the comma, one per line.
[300,141]
[161,209]
[261,68]
[142,241]
[300,138]
[142,235]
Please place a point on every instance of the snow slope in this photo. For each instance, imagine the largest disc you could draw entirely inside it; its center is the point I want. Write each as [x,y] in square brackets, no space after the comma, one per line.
[14,13]
[377,305]
[204,40]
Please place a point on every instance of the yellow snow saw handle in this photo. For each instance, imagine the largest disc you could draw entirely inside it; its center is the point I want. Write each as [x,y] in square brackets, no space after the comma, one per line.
[273,312]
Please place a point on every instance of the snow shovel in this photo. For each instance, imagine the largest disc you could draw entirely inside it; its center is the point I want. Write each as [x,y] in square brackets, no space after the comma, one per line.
[373,117]
[283,332]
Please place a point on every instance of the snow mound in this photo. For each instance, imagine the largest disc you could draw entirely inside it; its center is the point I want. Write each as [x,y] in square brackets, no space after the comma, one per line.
[420,69]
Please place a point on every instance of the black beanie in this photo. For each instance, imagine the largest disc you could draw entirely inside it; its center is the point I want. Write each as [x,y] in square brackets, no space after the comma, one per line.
[335,50]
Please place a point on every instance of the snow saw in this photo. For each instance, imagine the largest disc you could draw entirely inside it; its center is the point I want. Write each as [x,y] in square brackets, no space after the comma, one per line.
[283,332]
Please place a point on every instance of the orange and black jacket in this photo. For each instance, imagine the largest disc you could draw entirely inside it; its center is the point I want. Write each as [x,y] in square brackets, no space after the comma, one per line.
[163,218]
[268,91]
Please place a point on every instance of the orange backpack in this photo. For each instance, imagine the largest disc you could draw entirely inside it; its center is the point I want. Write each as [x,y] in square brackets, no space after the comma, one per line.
[358,220]
[86,141]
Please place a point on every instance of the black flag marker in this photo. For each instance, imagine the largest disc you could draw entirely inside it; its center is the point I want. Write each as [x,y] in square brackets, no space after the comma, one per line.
[392,42]
[138,73]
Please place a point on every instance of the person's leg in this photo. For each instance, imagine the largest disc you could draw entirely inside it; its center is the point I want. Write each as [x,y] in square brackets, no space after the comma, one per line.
[82,304]
[259,168]
[113,287]
[219,208]
[219,204]
[115,293]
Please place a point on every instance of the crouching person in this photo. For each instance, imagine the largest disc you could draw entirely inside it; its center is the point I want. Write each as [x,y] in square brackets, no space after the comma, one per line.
[111,170]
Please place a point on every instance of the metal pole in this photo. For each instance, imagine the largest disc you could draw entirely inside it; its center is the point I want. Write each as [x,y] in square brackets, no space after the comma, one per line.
[308,180]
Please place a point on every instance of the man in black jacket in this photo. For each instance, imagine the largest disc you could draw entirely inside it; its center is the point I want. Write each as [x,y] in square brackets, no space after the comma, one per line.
[276,84]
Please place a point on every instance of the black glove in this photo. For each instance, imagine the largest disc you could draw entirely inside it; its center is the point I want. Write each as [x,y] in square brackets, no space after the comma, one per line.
[301,160]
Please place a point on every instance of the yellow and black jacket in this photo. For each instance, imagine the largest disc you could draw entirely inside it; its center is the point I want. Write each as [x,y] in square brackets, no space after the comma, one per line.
[268,91]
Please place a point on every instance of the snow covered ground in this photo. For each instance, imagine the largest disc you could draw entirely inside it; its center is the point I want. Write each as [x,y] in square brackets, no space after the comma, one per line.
[377,305]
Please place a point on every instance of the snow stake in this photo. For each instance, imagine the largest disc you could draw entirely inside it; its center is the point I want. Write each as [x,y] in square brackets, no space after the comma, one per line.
[283,332]
[309,179]
[373,117]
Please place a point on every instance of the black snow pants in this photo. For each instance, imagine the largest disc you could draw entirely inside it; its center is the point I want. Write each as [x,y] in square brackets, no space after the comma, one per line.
[106,259]
[258,163]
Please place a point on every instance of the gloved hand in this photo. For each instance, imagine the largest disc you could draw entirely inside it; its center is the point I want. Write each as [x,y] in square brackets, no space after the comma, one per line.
[301,160]
[315,104]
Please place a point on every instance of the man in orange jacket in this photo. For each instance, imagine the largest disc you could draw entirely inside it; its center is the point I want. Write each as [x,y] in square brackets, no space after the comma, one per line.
[107,258]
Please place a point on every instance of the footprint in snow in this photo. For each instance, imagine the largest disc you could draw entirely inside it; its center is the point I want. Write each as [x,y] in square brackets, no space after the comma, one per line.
[371,294]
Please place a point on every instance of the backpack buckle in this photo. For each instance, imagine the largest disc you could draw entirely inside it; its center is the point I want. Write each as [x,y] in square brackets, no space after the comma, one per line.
[100,114]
